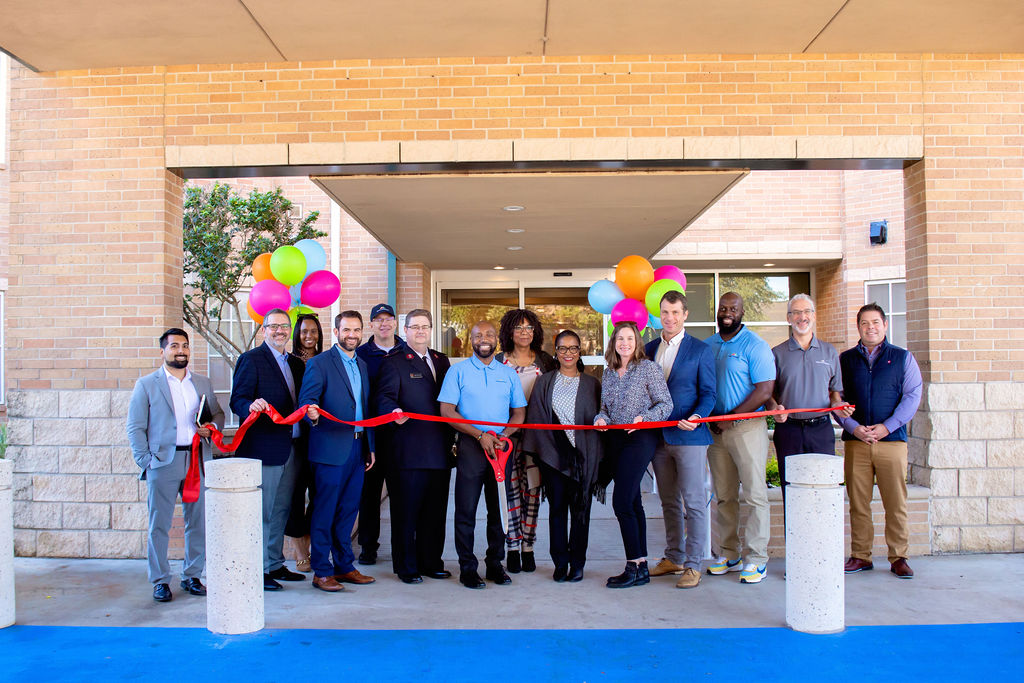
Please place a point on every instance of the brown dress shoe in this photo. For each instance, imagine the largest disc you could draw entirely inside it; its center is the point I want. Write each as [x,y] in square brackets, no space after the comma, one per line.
[667,566]
[689,579]
[855,564]
[901,569]
[327,583]
[354,576]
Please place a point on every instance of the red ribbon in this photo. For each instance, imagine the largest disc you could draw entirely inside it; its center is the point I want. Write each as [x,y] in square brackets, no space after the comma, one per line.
[193,470]
[386,418]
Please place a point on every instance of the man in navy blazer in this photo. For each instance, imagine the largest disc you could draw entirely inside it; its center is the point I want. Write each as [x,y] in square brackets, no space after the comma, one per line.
[420,461]
[269,375]
[338,382]
[680,462]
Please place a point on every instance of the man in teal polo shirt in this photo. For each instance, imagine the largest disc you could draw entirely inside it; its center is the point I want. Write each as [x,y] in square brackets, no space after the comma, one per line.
[480,389]
[745,375]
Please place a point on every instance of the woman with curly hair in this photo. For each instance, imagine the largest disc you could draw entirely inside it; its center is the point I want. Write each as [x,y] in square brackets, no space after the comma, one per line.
[521,337]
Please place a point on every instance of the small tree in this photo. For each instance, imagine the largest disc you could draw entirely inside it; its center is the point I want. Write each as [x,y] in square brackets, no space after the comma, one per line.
[223,232]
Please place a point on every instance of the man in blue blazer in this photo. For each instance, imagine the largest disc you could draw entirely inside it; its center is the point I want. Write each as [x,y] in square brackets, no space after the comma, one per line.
[337,381]
[269,375]
[680,462]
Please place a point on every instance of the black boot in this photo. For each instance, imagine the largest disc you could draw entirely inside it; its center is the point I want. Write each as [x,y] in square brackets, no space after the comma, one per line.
[643,575]
[514,564]
[627,578]
[529,561]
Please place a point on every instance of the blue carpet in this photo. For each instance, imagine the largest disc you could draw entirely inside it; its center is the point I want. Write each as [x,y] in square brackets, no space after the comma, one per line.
[155,655]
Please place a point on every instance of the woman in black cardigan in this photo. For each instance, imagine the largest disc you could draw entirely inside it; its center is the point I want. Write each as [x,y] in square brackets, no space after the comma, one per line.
[568,459]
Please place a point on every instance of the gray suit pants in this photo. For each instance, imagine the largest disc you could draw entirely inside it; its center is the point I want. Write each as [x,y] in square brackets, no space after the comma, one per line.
[680,473]
[164,485]
[278,485]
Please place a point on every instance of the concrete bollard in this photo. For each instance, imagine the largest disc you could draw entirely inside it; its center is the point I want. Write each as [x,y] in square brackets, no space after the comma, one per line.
[815,595]
[6,543]
[234,546]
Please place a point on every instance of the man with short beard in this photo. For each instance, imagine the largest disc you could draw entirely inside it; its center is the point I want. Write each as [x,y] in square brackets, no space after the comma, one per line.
[745,375]
[162,417]
[480,389]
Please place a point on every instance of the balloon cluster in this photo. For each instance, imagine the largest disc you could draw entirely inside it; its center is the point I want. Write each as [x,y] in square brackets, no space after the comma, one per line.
[293,279]
[636,293]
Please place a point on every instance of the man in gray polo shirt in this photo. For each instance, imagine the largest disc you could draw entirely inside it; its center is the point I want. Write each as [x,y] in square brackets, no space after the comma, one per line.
[808,376]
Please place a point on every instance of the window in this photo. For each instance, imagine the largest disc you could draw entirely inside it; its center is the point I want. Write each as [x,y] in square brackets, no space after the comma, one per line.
[891,295]
[219,369]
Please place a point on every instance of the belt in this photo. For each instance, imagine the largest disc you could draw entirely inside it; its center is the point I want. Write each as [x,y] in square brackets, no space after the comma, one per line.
[810,422]
[185,449]
[357,435]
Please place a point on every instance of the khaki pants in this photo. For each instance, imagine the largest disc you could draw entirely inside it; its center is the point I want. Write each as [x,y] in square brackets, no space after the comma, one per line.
[738,455]
[885,461]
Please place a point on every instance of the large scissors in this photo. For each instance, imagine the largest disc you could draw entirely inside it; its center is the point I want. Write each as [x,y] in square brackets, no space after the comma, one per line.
[502,451]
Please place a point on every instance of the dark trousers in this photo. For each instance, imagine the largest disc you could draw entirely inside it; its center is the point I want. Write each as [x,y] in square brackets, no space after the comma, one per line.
[568,517]
[632,453]
[473,474]
[334,513]
[369,505]
[419,508]
[794,437]
[301,515]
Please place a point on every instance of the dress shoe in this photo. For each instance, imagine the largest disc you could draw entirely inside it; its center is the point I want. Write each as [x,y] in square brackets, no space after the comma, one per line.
[411,578]
[440,574]
[560,574]
[282,573]
[471,580]
[269,584]
[690,578]
[368,557]
[667,566]
[629,577]
[901,569]
[354,576]
[515,564]
[327,583]
[575,575]
[497,575]
[193,586]
[855,564]
[529,561]
[162,592]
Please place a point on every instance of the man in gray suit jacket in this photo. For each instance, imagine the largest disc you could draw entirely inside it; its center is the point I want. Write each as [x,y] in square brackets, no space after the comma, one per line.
[162,417]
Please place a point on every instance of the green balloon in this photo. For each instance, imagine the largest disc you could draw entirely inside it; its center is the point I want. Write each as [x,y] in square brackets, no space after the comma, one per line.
[295,311]
[288,265]
[654,293]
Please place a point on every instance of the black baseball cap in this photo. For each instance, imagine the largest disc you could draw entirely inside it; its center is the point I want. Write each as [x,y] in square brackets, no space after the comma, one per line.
[381,308]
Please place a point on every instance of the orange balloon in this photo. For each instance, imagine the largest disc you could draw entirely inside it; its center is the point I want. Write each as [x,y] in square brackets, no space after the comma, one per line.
[253,314]
[634,275]
[261,267]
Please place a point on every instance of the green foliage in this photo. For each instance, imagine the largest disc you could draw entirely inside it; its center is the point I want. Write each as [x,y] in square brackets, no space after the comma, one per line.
[772,473]
[756,292]
[3,441]
[223,231]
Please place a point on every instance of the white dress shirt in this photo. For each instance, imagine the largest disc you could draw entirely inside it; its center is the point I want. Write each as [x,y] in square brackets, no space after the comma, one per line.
[667,352]
[186,406]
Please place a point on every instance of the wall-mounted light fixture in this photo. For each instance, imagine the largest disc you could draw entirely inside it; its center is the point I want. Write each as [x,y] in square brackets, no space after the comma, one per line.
[879,232]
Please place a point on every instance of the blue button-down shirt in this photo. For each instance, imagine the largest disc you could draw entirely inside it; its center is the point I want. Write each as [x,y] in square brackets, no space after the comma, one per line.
[483,392]
[282,362]
[354,378]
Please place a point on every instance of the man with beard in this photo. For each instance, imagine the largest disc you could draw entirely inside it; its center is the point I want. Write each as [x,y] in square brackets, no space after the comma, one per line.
[383,344]
[481,389]
[808,376]
[162,417]
[337,381]
[745,374]
[269,375]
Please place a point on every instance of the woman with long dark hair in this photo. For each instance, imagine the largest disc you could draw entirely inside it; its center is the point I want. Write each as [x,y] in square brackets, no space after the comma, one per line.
[307,341]
[568,459]
[521,337]
[633,390]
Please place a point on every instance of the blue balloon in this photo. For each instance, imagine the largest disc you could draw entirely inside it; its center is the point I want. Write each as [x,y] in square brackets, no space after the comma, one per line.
[296,292]
[316,257]
[603,296]
[654,323]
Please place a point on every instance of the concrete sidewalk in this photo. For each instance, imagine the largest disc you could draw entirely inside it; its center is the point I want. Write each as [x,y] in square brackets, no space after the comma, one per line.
[946,590]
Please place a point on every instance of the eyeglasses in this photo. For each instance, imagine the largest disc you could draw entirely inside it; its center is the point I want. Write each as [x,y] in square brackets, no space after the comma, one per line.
[418,328]
[523,328]
[802,311]
[567,349]
[276,327]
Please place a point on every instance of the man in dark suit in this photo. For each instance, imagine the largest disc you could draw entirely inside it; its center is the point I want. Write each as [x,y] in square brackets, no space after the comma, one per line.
[419,468]
[162,417]
[269,375]
[338,382]
[680,462]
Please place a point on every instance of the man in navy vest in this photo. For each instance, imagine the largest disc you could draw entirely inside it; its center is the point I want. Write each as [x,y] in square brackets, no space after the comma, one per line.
[884,383]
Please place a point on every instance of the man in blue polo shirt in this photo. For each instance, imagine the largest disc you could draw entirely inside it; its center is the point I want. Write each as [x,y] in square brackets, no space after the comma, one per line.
[745,374]
[480,389]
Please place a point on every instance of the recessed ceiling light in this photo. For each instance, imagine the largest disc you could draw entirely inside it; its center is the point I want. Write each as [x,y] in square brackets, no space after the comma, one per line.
[514,247]
[768,265]
[499,267]
[515,231]
[513,207]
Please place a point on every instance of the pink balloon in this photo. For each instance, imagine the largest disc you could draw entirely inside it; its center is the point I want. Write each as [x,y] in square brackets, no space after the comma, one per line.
[670,273]
[268,294]
[630,310]
[320,289]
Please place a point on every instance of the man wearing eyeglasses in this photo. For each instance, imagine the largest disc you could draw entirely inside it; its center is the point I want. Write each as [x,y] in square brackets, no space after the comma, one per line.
[269,376]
